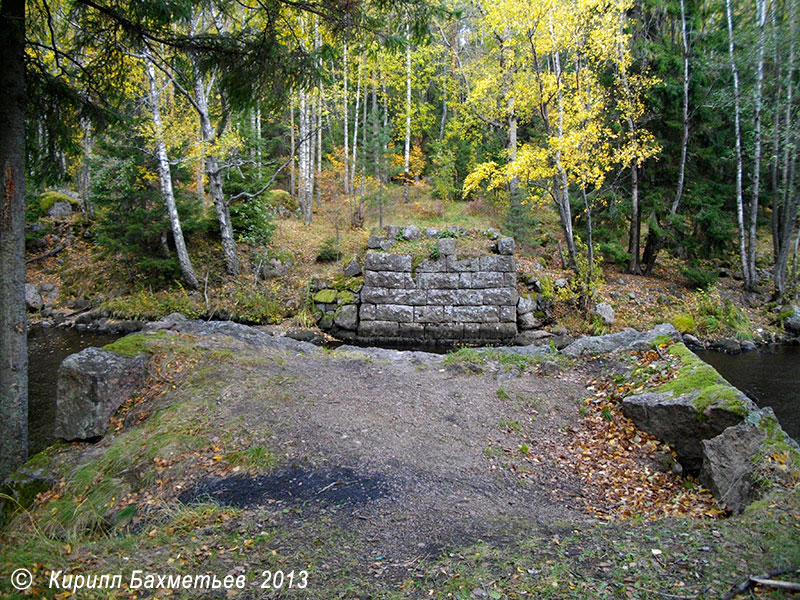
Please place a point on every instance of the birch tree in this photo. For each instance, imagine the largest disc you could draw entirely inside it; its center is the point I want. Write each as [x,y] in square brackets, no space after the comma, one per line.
[165,175]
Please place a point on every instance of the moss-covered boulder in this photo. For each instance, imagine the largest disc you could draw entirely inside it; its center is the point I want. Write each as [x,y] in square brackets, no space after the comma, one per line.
[698,404]
[326,296]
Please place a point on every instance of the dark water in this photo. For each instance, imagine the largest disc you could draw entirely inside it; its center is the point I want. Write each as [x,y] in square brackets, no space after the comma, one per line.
[770,378]
[46,349]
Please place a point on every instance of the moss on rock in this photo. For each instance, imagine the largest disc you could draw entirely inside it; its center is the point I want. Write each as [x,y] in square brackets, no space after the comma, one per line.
[696,377]
[326,296]
[137,343]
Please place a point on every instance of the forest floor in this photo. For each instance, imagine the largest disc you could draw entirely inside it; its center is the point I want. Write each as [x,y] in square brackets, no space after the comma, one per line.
[81,270]
[386,474]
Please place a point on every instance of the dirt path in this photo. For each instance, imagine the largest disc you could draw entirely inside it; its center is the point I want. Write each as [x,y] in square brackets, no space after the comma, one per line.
[407,451]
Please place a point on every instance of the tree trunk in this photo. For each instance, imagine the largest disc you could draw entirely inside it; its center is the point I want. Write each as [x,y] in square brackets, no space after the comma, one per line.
[13,328]
[407,147]
[292,151]
[636,222]
[319,145]
[788,212]
[346,132]
[85,176]
[363,190]
[165,179]
[214,175]
[753,221]
[748,284]
[376,142]
[352,177]
[561,180]
[655,240]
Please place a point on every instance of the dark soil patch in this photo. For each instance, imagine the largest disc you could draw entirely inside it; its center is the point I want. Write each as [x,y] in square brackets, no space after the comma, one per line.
[296,486]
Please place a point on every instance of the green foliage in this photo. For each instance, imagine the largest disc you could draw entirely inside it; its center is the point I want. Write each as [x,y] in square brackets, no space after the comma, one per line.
[150,306]
[587,281]
[131,217]
[252,221]
[445,172]
[614,252]
[700,278]
[711,314]
[329,251]
[257,306]
[280,200]
[520,222]
[683,322]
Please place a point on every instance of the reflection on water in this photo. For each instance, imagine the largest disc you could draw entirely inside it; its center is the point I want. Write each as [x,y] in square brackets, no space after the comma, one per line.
[770,378]
[46,349]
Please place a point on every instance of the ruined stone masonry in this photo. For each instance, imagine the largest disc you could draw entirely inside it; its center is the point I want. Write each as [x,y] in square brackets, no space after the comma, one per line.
[445,300]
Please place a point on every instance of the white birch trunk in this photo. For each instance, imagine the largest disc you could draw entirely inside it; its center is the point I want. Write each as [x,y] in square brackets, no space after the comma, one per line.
[738,132]
[352,177]
[761,16]
[346,130]
[165,179]
[407,147]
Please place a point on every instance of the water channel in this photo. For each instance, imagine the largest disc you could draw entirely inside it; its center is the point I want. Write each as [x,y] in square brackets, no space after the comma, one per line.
[770,377]
[47,347]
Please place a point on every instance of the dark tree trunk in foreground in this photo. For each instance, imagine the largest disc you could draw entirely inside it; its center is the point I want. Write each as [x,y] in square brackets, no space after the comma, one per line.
[13,341]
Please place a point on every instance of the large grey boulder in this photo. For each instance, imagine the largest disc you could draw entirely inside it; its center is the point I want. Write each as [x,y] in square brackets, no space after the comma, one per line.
[625,341]
[60,209]
[605,312]
[353,269]
[411,232]
[92,385]
[506,246]
[792,322]
[736,463]
[681,421]
[696,405]
[347,317]
[33,300]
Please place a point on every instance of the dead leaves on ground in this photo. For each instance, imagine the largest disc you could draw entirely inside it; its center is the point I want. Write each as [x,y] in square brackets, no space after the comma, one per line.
[617,463]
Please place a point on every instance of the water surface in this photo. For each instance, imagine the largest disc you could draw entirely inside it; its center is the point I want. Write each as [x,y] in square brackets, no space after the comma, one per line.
[46,349]
[771,378]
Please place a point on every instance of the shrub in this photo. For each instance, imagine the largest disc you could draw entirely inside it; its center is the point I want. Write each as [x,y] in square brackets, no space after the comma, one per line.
[699,278]
[614,252]
[683,322]
[329,251]
[256,306]
[252,221]
[708,314]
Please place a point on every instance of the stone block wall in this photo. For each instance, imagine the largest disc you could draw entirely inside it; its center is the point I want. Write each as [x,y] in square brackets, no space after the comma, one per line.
[443,300]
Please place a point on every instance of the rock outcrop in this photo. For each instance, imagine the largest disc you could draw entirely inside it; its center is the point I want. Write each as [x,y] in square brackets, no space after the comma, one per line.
[748,459]
[791,322]
[685,420]
[738,450]
[92,385]
[629,340]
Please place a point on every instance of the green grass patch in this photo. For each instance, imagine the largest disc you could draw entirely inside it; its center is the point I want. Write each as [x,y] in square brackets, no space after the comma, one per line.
[254,457]
[150,306]
[140,343]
